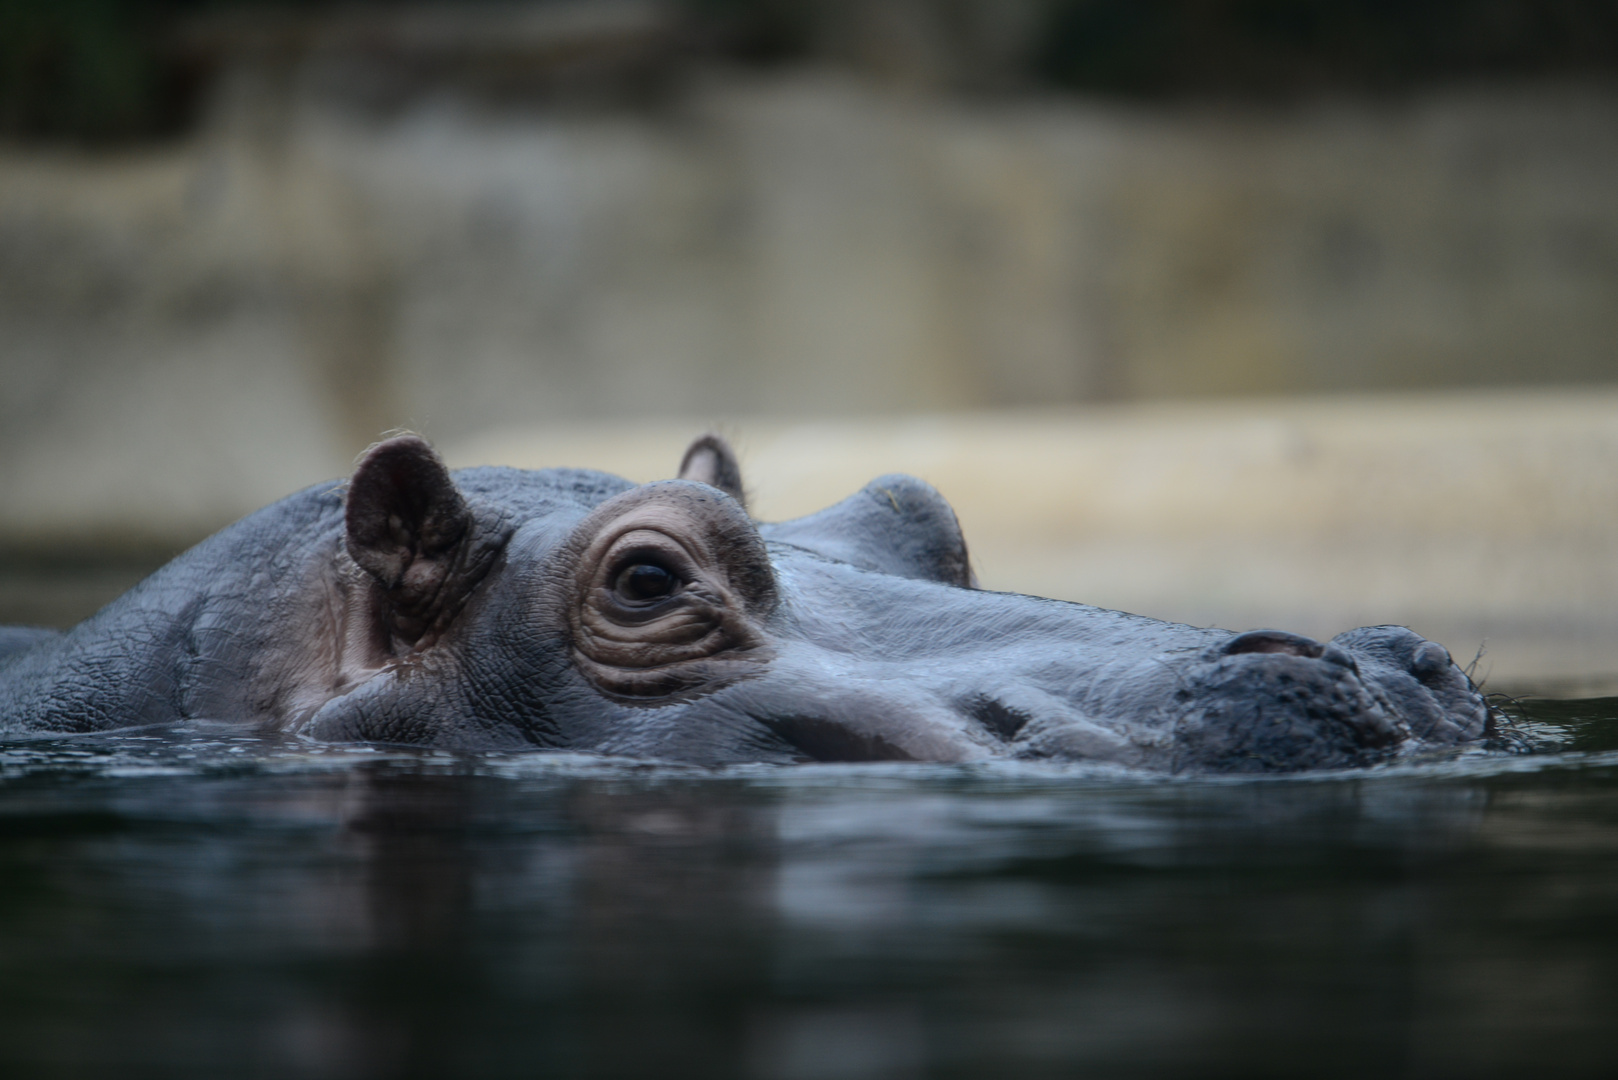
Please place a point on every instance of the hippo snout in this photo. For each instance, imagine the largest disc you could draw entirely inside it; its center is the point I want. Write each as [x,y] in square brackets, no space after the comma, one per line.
[1420,681]
[1261,701]
[1265,711]
[1270,700]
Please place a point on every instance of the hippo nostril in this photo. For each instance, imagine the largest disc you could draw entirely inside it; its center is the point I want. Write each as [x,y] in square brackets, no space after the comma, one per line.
[998,717]
[1429,660]
[1275,641]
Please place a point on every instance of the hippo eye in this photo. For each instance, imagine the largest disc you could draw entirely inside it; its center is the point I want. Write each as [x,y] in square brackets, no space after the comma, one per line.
[645,581]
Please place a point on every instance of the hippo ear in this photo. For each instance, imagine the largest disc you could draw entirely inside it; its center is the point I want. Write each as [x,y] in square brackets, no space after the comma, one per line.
[895,525]
[413,532]
[710,460]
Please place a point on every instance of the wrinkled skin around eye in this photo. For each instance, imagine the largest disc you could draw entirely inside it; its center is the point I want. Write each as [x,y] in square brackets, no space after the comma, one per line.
[666,599]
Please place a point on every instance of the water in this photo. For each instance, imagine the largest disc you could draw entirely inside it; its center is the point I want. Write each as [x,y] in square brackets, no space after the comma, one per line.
[198,903]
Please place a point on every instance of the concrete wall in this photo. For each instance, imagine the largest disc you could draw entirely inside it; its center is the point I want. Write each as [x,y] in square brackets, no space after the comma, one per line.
[187,332]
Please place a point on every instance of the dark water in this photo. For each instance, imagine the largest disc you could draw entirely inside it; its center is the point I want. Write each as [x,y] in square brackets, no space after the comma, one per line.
[196,904]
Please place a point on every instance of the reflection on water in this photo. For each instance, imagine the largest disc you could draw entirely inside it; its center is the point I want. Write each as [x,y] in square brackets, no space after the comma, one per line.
[197,903]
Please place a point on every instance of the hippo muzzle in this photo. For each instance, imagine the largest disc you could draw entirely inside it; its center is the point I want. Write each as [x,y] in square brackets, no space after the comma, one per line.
[1185,700]
[1268,700]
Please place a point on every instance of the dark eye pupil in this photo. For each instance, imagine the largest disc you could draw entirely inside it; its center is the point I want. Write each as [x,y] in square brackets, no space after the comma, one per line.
[645,582]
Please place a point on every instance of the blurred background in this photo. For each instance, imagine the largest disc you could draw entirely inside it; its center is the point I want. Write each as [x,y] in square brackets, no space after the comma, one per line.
[1243,312]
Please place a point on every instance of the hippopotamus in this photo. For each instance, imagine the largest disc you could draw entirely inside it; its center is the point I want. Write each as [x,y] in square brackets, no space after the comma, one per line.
[564,609]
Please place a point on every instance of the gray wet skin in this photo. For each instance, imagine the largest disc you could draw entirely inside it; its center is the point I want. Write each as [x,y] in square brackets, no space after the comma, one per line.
[565,609]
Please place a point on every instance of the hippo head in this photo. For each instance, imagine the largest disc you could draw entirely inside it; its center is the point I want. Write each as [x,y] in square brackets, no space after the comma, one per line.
[564,609]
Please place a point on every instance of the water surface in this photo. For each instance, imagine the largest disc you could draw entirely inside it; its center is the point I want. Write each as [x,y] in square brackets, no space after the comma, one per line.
[193,902]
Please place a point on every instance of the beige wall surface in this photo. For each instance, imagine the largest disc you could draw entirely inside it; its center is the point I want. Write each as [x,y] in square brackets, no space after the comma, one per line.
[800,245]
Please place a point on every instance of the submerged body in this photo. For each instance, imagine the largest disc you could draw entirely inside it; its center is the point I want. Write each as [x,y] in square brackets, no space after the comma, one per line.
[502,608]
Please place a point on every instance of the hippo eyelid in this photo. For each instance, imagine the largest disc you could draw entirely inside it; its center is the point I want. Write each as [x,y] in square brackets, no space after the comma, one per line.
[650,545]
[647,556]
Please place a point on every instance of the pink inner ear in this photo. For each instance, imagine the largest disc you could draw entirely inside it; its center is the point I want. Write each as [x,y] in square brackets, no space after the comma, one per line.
[702,465]
[710,460]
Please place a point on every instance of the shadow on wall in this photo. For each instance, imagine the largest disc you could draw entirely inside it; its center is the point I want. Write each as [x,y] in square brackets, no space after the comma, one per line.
[120,70]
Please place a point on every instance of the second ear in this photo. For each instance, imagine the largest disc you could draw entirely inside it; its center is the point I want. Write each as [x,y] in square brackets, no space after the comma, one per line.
[710,460]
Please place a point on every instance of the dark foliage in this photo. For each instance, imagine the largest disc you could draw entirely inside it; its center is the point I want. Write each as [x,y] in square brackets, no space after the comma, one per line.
[111,70]
[95,70]
[1286,47]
